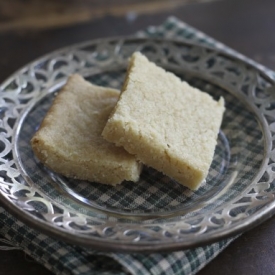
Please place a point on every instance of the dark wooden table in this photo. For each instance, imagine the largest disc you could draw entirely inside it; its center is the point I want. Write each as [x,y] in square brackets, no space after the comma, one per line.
[245,25]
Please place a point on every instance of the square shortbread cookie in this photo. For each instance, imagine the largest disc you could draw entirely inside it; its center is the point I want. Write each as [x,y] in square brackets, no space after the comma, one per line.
[69,139]
[165,123]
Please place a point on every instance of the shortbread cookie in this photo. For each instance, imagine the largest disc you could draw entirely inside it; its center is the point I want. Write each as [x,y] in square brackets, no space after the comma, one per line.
[165,123]
[69,139]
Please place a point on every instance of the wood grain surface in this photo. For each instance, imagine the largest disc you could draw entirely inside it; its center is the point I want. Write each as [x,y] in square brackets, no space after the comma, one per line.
[41,14]
[245,25]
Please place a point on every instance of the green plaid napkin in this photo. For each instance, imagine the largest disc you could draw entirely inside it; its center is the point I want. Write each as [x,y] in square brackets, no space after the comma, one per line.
[63,258]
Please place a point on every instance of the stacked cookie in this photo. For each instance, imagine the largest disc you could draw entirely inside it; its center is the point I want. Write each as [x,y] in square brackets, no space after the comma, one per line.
[98,134]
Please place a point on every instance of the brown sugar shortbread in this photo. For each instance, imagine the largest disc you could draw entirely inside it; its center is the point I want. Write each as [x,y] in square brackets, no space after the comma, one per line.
[165,123]
[69,139]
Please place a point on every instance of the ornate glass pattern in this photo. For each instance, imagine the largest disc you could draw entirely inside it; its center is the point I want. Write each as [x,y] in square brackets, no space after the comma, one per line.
[155,213]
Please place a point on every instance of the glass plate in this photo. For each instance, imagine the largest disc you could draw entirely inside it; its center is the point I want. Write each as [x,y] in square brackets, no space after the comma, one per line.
[156,213]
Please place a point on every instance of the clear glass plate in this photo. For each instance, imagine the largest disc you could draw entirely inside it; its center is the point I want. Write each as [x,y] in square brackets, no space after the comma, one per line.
[156,213]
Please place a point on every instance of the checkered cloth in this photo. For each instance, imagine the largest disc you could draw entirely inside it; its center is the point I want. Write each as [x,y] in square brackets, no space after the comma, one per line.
[63,258]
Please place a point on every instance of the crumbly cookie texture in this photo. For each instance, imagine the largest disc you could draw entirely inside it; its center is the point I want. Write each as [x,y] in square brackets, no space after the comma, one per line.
[165,123]
[69,139]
